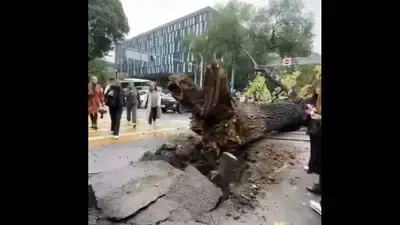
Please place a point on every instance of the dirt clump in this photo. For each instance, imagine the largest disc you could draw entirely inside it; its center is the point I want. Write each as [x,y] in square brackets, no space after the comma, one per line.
[261,165]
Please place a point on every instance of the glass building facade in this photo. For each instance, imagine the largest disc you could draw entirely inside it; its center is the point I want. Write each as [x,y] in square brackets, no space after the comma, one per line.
[160,50]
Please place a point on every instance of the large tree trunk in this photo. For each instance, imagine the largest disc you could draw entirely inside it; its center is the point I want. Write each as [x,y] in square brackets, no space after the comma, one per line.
[226,125]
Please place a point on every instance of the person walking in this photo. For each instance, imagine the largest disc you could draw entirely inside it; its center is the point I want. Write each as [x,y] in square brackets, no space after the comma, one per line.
[95,100]
[153,110]
[132,101]
[115,100]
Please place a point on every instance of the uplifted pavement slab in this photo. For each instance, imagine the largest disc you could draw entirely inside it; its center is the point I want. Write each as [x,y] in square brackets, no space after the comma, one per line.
[188,201]
[121,193]
[191,196]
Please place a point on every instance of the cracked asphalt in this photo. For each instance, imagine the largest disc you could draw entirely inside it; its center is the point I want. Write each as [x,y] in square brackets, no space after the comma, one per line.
[284,203]
[110,157]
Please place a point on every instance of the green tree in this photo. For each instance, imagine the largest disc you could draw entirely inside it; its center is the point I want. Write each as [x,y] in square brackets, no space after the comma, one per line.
[107,25]
[281,29]
[99,68]
[291,30]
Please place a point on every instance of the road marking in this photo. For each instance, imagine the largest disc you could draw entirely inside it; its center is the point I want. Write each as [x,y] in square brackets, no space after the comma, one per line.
[132,136]
[102,132]
[104,127]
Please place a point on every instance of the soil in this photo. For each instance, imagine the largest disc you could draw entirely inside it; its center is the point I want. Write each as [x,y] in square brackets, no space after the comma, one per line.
[263,164]
[258,167]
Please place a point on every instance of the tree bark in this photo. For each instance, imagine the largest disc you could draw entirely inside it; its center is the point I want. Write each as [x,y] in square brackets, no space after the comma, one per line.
[225,124]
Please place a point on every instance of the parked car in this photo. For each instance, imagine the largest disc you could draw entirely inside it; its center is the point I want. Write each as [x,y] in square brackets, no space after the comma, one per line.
[167,102]
[180,108]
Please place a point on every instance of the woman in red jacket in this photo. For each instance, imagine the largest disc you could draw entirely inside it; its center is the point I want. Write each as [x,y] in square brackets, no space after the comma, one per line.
[95,100]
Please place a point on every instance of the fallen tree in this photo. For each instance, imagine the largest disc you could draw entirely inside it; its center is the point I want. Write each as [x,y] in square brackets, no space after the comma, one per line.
[224,125]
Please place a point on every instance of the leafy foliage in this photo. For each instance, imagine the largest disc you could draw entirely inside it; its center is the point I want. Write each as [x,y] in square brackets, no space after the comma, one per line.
[107,25]
[258,90]
[293,80]
[99,68]
[278,30]
[307,89]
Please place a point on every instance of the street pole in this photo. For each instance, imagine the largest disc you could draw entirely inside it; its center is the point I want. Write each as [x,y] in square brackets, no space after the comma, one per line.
[127,62]
[195,74]
[121,58]
[233,76]
[201,70]
[233,79]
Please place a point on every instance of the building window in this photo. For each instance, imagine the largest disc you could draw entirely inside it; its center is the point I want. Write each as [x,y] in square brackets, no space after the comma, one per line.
[189,67]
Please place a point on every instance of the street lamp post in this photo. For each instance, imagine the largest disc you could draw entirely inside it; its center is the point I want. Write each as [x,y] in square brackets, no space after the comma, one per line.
[201,70]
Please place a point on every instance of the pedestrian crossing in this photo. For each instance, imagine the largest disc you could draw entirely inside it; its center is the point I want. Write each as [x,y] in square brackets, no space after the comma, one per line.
[104,127]
[165,126]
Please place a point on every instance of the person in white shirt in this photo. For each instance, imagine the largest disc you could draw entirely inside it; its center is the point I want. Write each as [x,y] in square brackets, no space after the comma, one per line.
[153,110]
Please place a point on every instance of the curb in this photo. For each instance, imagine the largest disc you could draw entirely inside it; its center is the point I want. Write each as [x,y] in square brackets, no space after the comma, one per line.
[132,136]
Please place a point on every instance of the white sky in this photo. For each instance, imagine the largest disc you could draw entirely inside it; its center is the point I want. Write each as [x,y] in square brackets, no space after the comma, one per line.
[148,14]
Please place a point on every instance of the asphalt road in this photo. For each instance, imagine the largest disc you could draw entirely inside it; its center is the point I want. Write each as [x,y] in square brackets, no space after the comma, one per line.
[107,154]
[114,156]
[286,203]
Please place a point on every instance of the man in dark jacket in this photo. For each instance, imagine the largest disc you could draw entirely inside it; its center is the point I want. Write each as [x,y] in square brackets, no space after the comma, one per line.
[115,99]
[314,165]
[132,101]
